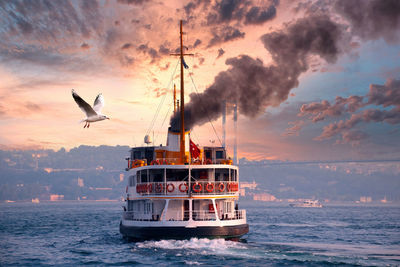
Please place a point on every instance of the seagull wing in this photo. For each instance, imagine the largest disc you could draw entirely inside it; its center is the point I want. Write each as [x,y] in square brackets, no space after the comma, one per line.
[85,107]
[98,103]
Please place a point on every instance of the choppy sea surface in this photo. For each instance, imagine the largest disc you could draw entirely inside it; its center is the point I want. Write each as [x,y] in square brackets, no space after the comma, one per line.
[82,233]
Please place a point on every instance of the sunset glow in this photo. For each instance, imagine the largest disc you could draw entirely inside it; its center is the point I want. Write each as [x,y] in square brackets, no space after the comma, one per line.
[340,97]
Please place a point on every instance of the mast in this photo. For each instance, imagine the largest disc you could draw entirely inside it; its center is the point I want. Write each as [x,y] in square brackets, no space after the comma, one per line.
[182,139]
[174,98]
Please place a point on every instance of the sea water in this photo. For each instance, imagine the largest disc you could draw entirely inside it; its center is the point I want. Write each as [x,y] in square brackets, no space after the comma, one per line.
[84,233]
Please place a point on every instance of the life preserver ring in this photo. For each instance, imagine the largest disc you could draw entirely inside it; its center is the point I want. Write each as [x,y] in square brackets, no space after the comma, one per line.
[165,162]
[186,187]
[197,187]
[210,187]
[159,188]
[221,187]
[208,161]
[235,187]
[170,188]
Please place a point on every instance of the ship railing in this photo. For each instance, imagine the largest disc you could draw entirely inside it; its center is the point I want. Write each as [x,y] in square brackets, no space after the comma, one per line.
[197,215]
[135,163]
[183,188]
[136,216]
[236,215]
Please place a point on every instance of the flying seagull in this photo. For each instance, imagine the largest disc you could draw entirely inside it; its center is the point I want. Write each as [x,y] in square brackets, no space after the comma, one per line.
[92,114]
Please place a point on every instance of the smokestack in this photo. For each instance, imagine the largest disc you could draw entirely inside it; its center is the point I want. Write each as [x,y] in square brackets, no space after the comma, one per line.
[224,124]
[235,160]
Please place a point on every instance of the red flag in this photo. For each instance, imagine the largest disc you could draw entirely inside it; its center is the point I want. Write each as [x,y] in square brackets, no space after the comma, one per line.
[194,150]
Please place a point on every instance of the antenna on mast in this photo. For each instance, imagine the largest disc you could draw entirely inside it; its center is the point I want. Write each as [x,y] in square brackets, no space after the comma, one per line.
[182,98]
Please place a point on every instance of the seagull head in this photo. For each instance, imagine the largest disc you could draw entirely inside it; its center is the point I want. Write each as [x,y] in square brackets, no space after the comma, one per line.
[105,117]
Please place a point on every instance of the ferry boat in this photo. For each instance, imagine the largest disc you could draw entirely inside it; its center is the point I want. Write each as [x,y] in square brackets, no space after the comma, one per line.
[308,203]
[180,191]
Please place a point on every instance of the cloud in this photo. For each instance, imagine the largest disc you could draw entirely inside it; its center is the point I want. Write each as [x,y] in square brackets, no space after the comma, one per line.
[127,46]
[225,34]
[49,21]
[387,95]
[255,86]
[197,43]
[221,52]
[225,19]
[85,46]
[258,15]
[132,2]
[352,137]
[372,20]
[319,111]
[295,129]
[370,115]
[248,12]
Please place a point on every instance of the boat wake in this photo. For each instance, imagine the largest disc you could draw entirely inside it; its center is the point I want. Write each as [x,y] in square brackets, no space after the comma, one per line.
[193,243]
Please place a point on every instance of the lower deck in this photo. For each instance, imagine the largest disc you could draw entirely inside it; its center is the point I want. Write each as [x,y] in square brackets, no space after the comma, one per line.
[183,209]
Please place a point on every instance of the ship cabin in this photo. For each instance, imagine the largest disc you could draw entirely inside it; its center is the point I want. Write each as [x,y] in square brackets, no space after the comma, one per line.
[201,189]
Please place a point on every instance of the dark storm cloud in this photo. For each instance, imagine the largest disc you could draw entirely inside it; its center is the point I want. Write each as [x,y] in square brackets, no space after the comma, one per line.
[258,15]
[372,20]
[227,11]
[225,34]
[51,20]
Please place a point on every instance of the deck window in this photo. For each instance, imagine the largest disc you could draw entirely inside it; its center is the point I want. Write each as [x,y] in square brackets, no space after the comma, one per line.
[202,174]
[177,175]
[233,175]
[156,175]
[219,154]
[143,176]
[221,174]
[132,180]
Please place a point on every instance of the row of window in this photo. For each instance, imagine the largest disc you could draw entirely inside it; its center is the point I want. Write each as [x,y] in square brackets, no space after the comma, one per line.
[177,175]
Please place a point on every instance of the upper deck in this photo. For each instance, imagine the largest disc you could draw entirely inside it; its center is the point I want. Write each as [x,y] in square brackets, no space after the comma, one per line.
[184,180]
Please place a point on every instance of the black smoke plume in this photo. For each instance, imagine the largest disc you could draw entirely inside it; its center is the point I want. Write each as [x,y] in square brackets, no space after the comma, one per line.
[254,86]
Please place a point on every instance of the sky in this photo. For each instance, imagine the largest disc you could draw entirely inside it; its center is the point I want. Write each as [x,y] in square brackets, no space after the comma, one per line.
[313,80]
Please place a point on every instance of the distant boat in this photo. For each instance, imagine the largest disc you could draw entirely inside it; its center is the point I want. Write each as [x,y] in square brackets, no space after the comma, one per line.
[308,203]
[35,200]
[9,201]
